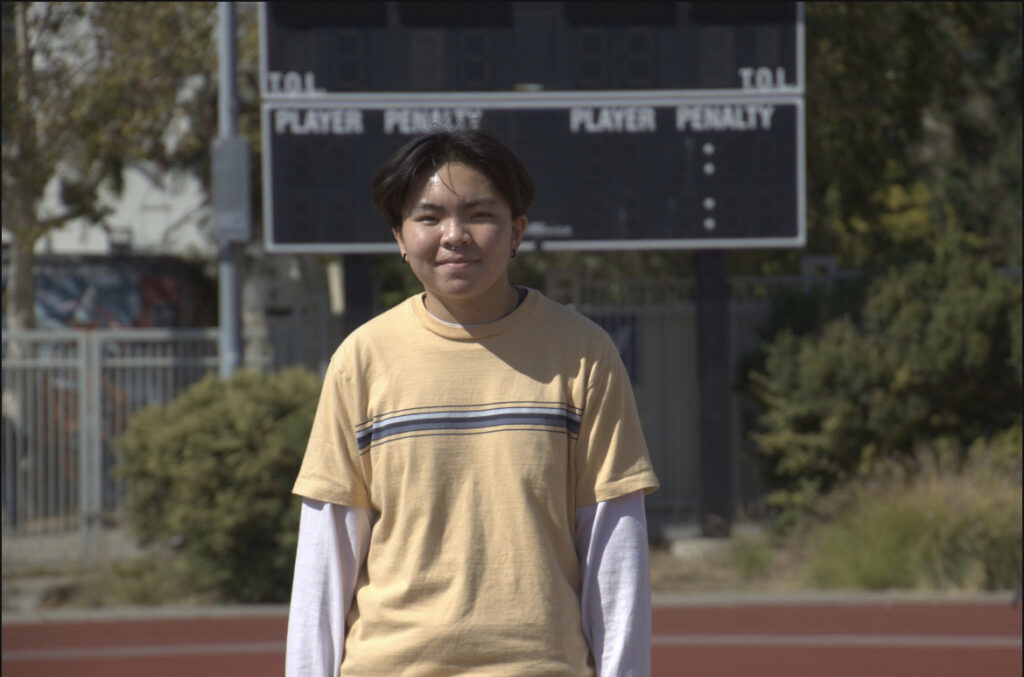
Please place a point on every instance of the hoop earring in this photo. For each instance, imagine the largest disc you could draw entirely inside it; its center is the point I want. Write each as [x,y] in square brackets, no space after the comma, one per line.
[405,258]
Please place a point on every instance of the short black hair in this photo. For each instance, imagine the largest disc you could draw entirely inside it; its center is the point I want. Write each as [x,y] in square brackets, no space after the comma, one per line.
[476,148]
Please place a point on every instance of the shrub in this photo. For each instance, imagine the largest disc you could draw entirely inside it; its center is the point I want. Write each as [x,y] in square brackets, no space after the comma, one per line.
[212,472]
[946,524]
[934,354]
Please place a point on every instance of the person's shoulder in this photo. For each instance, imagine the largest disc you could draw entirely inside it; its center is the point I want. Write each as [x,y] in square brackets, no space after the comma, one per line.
[551,311]
[396,318]
[568,323]
[375,334]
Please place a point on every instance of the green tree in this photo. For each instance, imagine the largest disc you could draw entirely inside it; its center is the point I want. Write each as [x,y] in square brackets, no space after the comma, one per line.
[913,112]
[971,150]
[91,88]
[914,127]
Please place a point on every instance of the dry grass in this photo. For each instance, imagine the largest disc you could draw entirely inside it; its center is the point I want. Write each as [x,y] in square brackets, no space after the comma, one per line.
[952,522]
[746,563]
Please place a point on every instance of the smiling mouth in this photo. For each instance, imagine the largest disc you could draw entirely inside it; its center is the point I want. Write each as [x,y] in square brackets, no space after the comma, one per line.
[455,262]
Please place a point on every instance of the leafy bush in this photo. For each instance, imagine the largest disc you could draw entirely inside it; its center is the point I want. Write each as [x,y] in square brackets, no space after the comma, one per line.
[212,472]
[946,525]
[934,355]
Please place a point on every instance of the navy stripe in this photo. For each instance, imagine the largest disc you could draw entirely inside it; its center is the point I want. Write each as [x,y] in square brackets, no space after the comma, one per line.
[383,429]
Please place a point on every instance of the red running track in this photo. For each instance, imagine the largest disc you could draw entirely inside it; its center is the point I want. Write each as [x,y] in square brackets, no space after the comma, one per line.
[880,639]
[855,639]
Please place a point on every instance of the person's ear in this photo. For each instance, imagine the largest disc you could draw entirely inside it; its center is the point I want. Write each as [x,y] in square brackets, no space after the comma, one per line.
[518,230]
[397,234]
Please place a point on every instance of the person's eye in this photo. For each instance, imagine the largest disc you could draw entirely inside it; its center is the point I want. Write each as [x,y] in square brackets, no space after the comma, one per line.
[426,219]
[482,215]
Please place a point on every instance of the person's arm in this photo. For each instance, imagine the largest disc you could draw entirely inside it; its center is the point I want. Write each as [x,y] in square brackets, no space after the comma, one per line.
[333,541]
[611,541]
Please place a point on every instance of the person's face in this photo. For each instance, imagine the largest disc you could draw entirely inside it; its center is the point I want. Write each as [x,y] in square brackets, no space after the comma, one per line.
[458,233]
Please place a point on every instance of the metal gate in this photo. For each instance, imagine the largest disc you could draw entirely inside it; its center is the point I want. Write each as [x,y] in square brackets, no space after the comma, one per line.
[67,395]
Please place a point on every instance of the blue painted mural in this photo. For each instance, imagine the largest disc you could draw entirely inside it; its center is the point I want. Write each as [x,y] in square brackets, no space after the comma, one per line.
[124,291]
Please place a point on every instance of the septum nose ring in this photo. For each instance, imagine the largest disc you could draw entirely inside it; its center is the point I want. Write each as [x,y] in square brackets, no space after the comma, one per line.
[454,247]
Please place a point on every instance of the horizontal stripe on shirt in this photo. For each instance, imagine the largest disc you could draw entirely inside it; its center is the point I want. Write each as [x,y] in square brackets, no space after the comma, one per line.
[557,416]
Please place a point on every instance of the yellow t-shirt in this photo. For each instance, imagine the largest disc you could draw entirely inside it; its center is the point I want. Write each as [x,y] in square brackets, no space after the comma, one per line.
[474,445]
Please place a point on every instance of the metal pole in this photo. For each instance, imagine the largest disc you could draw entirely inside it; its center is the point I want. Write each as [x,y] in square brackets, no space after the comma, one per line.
[227,109]
[358,291]
[713,374]
[227,102]
[91,458]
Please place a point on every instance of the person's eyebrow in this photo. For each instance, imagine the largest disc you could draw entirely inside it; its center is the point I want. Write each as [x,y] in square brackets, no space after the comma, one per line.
[471,204]
[482,202]
[425,205]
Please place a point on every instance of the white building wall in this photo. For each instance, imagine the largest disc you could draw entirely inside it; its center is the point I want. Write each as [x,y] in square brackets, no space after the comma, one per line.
[155,214]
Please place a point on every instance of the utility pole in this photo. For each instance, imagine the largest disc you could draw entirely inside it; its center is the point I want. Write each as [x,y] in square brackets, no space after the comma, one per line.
[231,204]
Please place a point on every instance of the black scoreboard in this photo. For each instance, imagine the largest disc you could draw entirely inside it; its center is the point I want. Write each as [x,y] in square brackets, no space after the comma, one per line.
[646,125]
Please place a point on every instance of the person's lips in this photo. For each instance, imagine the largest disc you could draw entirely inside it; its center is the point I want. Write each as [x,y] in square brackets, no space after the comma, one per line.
[457,261]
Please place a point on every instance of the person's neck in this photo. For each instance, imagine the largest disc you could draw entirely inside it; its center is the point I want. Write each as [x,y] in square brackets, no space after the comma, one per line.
[473,313]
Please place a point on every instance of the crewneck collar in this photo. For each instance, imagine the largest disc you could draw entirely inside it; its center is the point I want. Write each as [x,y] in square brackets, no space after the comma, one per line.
[465,332]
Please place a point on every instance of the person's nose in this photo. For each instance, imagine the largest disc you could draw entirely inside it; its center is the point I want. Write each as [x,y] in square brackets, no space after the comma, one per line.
[455,234]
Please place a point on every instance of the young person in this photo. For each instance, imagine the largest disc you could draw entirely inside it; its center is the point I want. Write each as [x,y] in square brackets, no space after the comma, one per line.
[474,480]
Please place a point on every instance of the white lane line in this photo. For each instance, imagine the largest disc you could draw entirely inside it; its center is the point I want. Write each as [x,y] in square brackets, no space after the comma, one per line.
[879,641]
[153,650]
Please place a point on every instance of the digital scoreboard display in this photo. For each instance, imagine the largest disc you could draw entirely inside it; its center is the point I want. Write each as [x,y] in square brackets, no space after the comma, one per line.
[645,125]
[499,46]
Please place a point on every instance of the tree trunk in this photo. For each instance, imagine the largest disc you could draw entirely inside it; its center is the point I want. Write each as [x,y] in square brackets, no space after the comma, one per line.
[21,289]
[19,210]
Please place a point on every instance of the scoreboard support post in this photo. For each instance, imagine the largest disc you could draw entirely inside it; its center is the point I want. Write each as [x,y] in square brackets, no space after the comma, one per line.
[356,270]
[716,511]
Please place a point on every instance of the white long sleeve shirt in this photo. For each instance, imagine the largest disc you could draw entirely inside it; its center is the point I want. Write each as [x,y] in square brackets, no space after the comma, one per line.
[611,543]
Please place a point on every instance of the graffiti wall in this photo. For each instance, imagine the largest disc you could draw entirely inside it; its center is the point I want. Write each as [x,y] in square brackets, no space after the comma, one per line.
[121,291]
